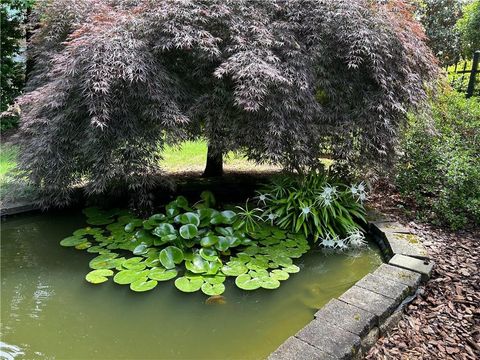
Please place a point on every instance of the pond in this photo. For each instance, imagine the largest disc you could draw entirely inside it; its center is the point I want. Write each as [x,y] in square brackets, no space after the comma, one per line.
[49,311]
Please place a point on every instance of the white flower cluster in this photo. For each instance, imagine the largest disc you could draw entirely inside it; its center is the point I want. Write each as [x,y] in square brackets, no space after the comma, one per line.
[359,191]
[355,239]
[328,194]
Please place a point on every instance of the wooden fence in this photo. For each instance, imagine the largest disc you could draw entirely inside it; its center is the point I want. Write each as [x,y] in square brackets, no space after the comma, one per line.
[464,77]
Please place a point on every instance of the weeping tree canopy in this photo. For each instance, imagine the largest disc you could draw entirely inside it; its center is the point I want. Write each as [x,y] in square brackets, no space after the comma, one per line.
[285,81]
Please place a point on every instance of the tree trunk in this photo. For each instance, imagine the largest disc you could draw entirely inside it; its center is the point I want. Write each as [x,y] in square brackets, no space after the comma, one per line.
[214,165]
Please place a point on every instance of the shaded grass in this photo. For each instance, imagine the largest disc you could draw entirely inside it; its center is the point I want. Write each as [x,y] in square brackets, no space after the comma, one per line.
[8,155]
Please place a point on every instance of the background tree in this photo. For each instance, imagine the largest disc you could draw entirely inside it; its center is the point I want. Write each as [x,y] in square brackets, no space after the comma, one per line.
[283,81]
[469,28]
[439,18]
[12,16]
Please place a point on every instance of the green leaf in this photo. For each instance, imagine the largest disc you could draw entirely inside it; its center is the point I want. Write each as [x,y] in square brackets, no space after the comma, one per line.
[170,256]
[134,263]
[234,269]
[164,229]
[246,282]
[292,269]
[209,240]
[83,246]
[161,274]
[188,284]
[182,202]
[73,241]
[105,261]
[213,289]
[140,249]
[225,217]
[188,231]
[208,198]
[269,283]
[98,276]
[279,275]
[188,218]
[129,276]
[157,218]
[142,285]
[208,254]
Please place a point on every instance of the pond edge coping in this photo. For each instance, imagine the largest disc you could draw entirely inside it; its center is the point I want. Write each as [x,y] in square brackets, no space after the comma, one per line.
[348,326]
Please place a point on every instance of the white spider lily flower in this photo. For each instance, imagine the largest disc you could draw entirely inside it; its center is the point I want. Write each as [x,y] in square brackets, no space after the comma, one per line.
[361,187]
[306,210]
[356,239]
[353,190]
[271,218]
[262,198]
[340,244]
[362,196]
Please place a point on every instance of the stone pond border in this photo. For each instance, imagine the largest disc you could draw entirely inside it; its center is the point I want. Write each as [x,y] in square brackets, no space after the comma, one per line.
[347,327]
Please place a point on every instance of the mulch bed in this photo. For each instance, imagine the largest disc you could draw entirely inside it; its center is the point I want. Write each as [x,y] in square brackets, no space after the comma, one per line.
[443,322]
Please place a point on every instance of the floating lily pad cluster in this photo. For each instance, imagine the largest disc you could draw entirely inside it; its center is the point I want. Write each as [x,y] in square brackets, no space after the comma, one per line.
[197,246]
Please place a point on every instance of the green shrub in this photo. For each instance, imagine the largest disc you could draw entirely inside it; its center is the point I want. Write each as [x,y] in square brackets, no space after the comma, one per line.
[316,206]
[440,165]
[468,26]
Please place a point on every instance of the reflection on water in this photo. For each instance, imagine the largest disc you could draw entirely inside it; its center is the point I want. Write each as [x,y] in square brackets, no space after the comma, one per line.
[50,312]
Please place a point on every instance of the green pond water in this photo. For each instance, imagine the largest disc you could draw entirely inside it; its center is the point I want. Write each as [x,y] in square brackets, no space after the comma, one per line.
[48,310]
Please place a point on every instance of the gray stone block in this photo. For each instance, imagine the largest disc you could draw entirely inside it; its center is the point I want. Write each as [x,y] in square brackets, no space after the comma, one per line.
[347,317]
[390,323]
[390,226]
[407,277]
[370,301]
[333,340]
[406,244]
[369,340]
[384,286]
[296,349]
[423,267]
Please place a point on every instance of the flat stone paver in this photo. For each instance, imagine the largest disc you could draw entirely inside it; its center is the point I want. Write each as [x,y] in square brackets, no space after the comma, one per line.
[406,244]
[370,301]
[296,349]
[390,226]
[333,340]
[347,317]
[407,277]
[423,267]
[384,286]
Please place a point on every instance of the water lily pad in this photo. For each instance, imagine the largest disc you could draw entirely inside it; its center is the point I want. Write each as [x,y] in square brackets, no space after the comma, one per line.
[188,218]
[215,279]
[98,249]
[142,285]
[152,260]
[234,269]
[161,274]
[209,240]
[140,249]
[134,263]
[129,276]
[132,225]
[279,275]
[208,254]
[83,246]
[213,289]
[105,261]
[163,230]
[99,220]
[170,256]
[269,283]
[187,284]
[246,282]
[224,217]
[73,241]
[188,231]
[292,269]
[98,276]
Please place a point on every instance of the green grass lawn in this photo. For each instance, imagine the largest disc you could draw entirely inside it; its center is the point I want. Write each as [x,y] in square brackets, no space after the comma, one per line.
[189,158]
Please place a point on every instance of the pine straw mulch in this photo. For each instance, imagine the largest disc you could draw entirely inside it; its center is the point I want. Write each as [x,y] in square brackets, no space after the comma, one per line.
[443,322]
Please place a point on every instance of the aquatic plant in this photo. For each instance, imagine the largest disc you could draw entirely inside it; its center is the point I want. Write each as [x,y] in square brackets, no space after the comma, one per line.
[316,206]
[198,246]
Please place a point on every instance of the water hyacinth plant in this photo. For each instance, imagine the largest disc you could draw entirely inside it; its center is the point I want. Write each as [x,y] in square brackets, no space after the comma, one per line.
[316,206]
